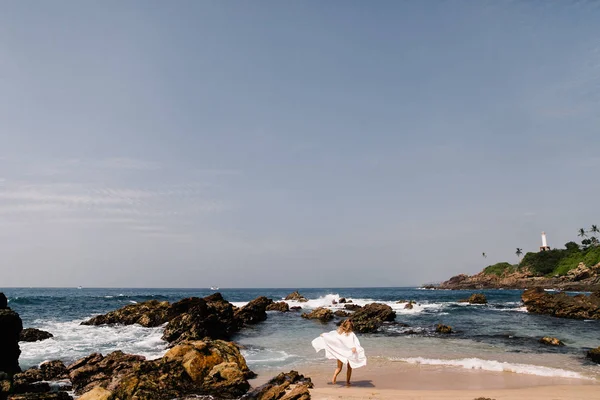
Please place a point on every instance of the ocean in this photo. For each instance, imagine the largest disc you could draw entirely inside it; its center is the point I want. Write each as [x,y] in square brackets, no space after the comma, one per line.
[498,336]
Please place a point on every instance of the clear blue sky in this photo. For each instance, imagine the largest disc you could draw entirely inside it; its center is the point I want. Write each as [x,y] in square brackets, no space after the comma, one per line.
[306,143]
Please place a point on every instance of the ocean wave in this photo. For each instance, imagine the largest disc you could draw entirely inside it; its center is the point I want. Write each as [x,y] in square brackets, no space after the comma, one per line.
[265,356]
[72,341]
[496,366]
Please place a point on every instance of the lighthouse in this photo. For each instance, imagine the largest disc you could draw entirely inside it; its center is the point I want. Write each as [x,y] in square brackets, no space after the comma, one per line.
[545,246]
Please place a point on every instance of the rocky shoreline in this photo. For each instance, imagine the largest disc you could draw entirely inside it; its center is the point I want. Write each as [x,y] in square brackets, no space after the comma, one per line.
[580,279]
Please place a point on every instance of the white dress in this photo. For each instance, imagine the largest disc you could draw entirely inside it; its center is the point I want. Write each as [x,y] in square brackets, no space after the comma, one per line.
[339,347]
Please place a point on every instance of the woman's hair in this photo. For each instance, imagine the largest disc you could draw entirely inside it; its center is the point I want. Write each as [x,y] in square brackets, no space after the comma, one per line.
[346,327]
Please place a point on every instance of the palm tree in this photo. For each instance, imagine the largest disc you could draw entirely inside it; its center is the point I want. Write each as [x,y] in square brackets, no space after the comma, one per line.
[484,255]
[519,252]
[582,233]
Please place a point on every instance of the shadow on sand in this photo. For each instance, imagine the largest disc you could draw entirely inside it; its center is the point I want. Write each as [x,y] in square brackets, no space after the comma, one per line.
[363,384]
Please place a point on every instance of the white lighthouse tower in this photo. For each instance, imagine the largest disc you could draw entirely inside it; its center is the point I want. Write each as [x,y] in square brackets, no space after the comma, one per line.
[545,246]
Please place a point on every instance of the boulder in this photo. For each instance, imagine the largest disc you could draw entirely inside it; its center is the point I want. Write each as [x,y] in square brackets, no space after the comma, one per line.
[285,386]
[41,396]
[551,341]
[594,355]
[29,382]
[562,305]
[295,308]
[342,300]
[281,306]
[475,298]
[352,307]
[321,313]
[10,329]
[370,317]
[409,305]
[54,370]
[96,393]
[443,329]
[341,313]
[3,301]
[296,296]
[34,335]
[253,312]
[148,314]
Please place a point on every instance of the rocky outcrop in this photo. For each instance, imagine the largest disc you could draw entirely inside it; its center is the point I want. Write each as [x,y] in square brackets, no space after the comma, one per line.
[594,355]
[10,329]
[581,278]
[352,307]
[475,298]
[41,396]
[342,300]
[370,317]
[321,313]
[281,306]
[443,329]
[149,314]
[296,296]
[562,305]
[190,368]
[551,341]
[341,313]
[295,308]
[285,386]
[253,312]
[34,335]
[97,393]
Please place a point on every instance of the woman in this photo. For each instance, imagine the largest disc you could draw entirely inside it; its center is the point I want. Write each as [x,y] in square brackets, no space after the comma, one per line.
[342,345]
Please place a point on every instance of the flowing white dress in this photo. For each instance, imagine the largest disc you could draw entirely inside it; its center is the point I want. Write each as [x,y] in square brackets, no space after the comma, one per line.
[339,347]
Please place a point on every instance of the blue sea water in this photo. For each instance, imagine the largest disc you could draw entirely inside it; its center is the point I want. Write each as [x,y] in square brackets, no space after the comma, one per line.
[498,336]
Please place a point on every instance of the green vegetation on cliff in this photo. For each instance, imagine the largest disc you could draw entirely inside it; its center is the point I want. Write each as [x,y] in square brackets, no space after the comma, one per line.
[500,269]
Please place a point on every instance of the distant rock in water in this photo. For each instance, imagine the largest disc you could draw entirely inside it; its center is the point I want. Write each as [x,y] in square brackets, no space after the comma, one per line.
[296,296]
[10,329]
[253,312]
[370,317]
[34,335]
[281,306]
[443,329]
[321,313]
[352,307]
[551,341]
[148,314]
[476,298]
[562,305]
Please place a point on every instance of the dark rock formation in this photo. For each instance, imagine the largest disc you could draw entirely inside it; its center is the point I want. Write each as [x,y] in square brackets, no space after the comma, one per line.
[352,307]
[149,314]
[443,329]
[34,335]
[285,386]
[322,314]
[551,341]
[190,368]
[10,329]
[409,305]
[341,313]
[295,308]
[41,396]
[296,296]
[253,312]
[594,355]
[475,298]
[30,382]
[281,306]
[54,370]
[370,317]
[562,305]
[342,300]
[3,301]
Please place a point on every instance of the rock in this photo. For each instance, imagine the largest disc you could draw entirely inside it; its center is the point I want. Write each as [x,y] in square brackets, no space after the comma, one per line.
[10,329]
[348,301]
[370,317]
[96,393]
[253,312]
[334,302]
[3,301]
[281,306]
[580,273]
[562,305]
[352,307]
[321,313]
[34,335]
[594,355]
[97,370]
[443,329]
[296,296]
[551,341]
[5,386]
[41,396]
[148,314]
[54,370]
[30,382]
[342,300]
[196,319]
[341,313]
[295,308]
[476,298]
[285,386]
[409,305]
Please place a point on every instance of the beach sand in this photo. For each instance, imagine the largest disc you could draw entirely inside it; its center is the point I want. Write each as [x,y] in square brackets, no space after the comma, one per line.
[423,382]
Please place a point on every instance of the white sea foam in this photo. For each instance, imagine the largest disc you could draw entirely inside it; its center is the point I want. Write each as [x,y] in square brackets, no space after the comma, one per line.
[265,356]
[497,366]
[72,341]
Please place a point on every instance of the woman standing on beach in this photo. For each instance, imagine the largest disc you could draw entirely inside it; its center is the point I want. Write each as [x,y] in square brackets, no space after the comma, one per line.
[342,345]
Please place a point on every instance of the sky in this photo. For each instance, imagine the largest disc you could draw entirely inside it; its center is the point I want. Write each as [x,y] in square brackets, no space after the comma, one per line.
[292,144]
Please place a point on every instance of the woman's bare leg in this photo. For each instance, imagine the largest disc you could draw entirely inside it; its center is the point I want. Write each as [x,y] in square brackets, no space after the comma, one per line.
[337,371]
[348,374]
